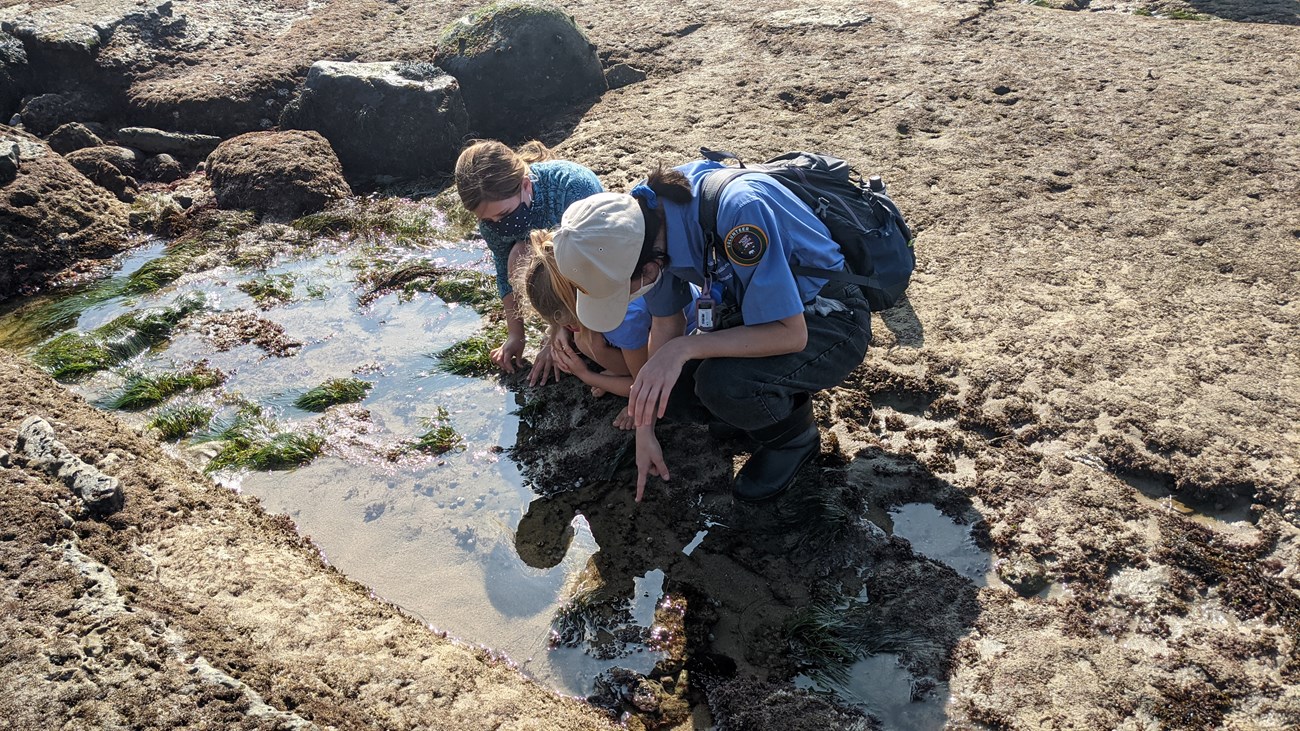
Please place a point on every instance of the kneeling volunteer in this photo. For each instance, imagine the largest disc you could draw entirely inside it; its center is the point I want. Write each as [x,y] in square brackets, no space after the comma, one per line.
[797,334]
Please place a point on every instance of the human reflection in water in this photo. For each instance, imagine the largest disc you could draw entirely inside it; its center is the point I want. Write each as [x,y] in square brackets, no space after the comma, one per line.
[631,543]
[806,585]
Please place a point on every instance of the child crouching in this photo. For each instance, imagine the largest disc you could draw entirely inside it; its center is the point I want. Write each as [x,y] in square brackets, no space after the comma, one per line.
[619,353]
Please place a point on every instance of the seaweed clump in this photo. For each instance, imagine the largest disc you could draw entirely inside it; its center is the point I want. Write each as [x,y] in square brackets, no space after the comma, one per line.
[334,391]
[449,284]
[827,639]
[271,290]
[178,422]
[254,441]
[73,355]
[144,390]
[439,438]
[473,356]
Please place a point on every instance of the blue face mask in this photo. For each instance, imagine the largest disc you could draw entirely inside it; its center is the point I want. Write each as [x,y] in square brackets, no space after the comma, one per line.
[515,225]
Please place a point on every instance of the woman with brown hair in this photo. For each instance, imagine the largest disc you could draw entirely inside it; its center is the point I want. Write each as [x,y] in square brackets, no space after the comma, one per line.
[513,192]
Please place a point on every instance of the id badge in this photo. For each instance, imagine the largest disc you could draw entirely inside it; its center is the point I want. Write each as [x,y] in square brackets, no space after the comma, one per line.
[704,313]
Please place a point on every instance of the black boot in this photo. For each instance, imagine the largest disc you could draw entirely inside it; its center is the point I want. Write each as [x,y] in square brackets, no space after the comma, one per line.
[784,448]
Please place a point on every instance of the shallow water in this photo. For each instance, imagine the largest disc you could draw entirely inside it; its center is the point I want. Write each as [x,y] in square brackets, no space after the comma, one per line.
[882,686]
[879,683]
[936,536]
[1233,517]
[435,534]
[432,534]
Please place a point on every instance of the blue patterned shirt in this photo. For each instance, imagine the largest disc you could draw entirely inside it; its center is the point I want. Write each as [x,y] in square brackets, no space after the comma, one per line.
[556,185]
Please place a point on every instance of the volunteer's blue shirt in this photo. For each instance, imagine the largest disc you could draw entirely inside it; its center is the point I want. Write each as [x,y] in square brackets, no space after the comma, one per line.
[556,185]
[764,229]
[634,333]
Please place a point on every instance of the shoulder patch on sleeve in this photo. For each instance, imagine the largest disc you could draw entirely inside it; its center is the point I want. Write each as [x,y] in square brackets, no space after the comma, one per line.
[745,245]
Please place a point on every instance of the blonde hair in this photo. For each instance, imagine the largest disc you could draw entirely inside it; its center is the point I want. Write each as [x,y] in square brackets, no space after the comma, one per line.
[546,291]
[488,171]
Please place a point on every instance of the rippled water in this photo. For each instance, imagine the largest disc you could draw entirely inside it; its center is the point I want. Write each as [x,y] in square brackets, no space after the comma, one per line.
[431,534]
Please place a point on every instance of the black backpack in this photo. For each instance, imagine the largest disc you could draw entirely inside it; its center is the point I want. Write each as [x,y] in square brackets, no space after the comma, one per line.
[874,238]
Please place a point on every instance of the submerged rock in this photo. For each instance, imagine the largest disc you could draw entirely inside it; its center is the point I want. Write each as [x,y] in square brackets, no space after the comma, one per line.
[50,215]
[519,64]
[753,704]
[383,119]
[279,174]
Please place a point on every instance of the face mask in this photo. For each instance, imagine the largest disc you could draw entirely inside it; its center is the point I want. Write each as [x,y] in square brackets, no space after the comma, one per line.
[647,287]
[514,225]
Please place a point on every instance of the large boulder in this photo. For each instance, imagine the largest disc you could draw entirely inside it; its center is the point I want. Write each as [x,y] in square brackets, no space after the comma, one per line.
[162,168]
[520,64]
[281,175]
[47,112]
[123,158]
[50,215]
[13,74]
[385,120]
[111,167]
[71,137]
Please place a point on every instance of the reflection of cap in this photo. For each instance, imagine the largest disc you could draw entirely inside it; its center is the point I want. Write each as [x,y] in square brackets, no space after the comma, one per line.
[543,537]
[597,247]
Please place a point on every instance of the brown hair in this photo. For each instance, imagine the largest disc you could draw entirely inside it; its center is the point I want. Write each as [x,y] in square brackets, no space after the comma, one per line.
[546,291]
[487,170]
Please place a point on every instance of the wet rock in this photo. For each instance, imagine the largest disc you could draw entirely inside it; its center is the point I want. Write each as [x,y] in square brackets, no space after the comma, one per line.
[43,114]
[519,65]
[126,160]
[620,690]
[620,75]
[1022,573]
[71,137]
[162,168]
[157,141]
[13,73]
[279,174]
[51,215]
[158,213]
[745,703]
[226,330]
[36,443]
[383,119]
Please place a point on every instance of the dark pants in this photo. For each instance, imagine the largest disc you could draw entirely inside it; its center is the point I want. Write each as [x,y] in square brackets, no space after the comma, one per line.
[753,393]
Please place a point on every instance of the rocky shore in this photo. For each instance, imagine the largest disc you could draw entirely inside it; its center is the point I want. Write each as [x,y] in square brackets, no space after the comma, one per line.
[1096,367]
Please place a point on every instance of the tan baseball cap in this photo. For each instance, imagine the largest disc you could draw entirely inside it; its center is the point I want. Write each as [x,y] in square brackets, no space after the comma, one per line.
[597,247]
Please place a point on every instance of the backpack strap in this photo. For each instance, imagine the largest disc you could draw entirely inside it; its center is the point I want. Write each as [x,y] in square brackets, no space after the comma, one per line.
[711,193]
